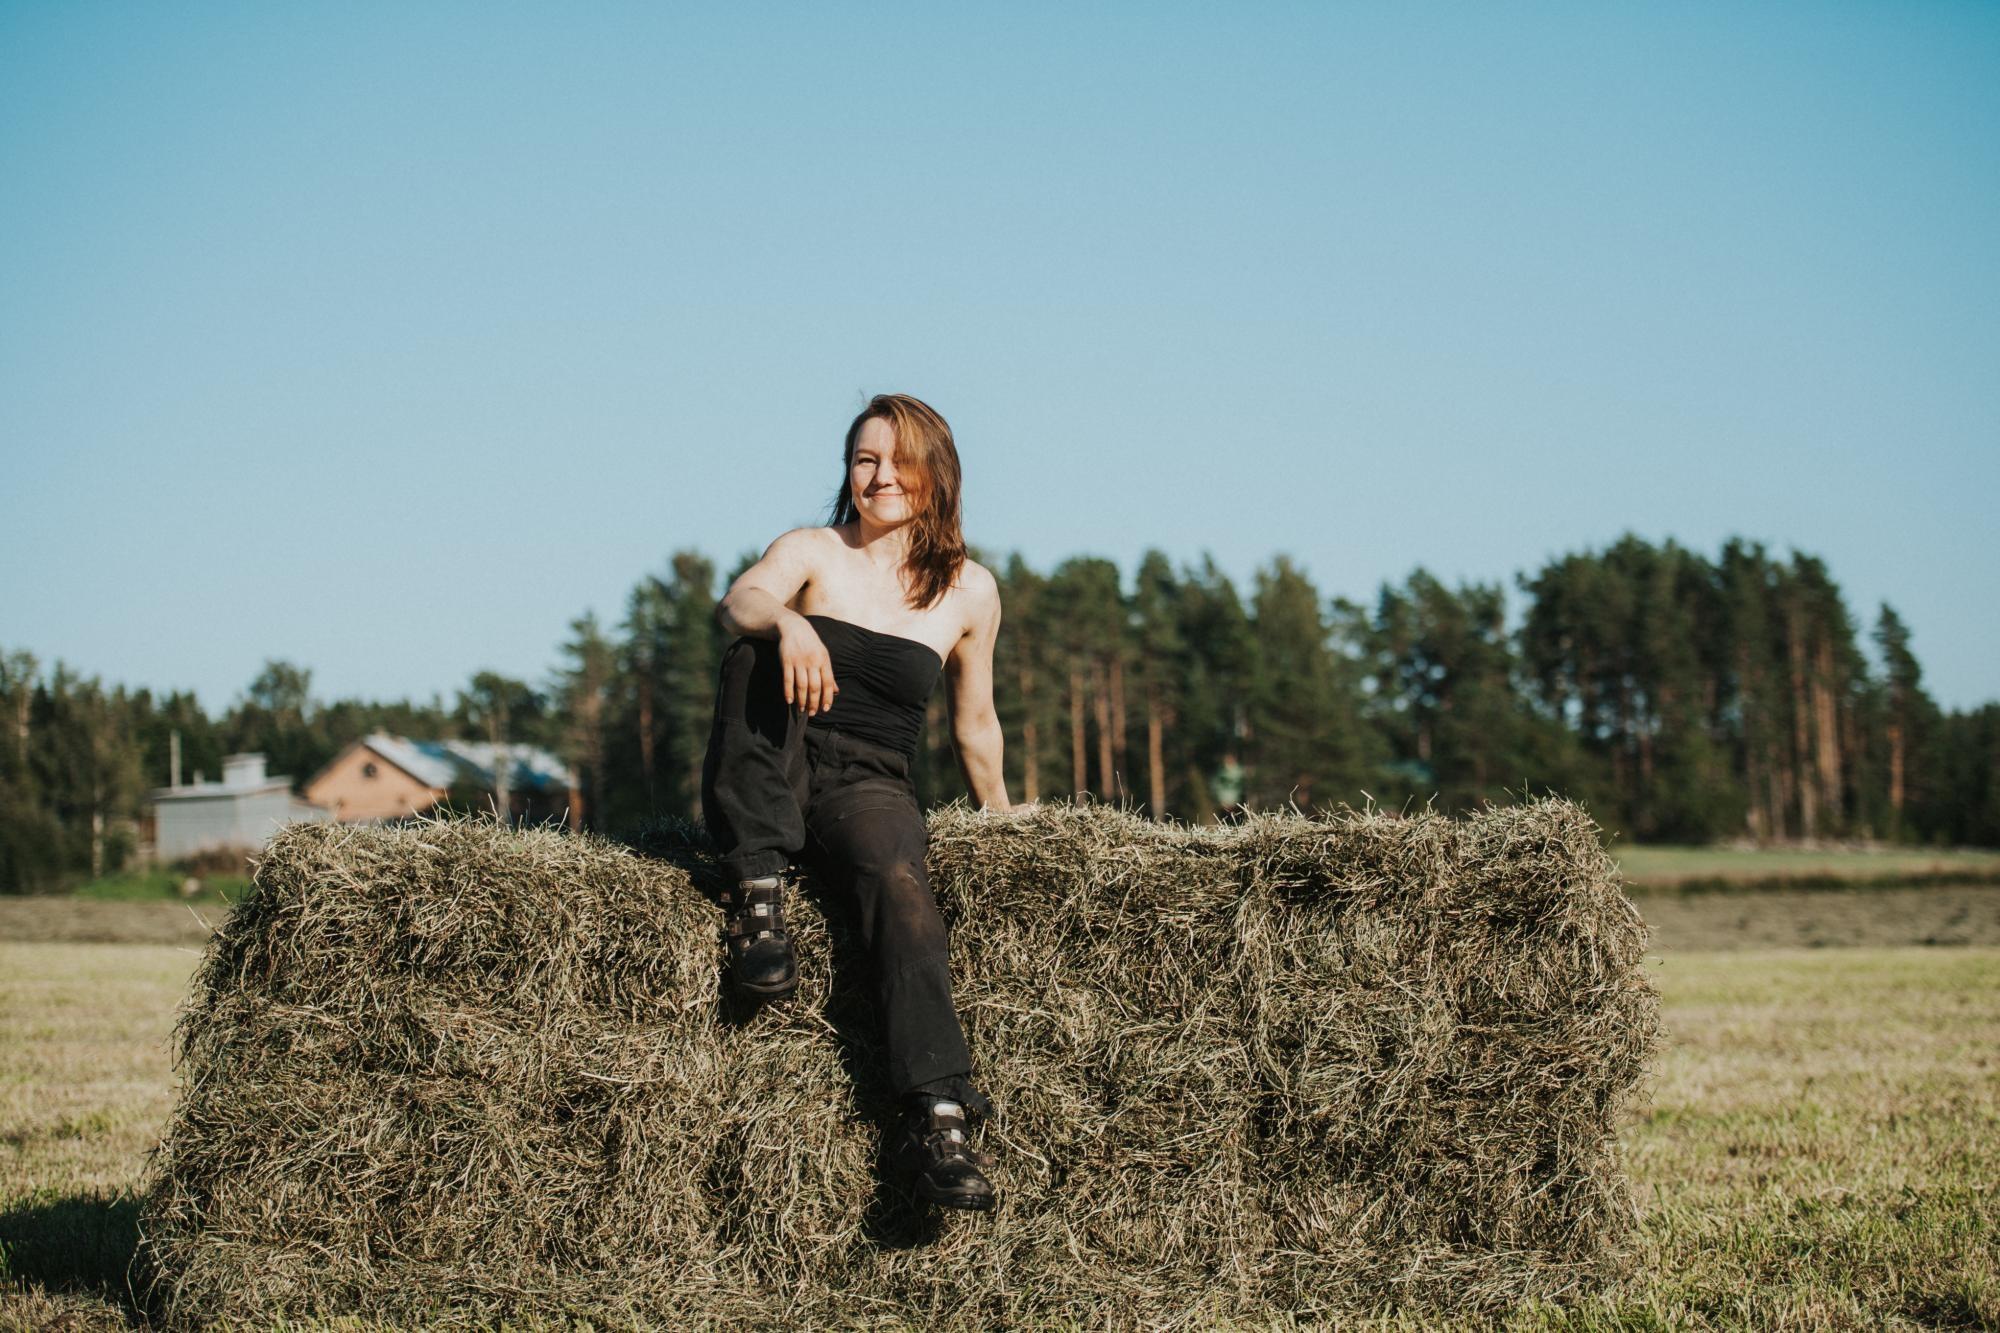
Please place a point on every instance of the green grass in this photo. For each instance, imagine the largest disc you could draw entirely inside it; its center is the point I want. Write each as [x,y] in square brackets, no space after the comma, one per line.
[84,1091]
[1646,867]
[156,885]
[1823,1145]
[1821,1148]
[1718,867]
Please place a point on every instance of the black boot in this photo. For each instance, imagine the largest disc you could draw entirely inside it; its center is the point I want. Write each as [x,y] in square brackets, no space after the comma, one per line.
[933,1149]
[761,961]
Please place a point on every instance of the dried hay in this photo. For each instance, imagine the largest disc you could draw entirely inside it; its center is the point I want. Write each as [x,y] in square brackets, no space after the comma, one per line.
[1313,1065]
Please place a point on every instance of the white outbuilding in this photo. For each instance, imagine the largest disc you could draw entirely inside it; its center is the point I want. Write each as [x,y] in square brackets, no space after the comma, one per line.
[241,812]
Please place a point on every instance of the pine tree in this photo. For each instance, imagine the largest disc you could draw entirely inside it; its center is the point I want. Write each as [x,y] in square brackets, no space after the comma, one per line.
[1442,665]
[1162,662]
[1023,679]
[1088,612]
[1903,706]
[1309,744]
[643,657]
[1214,716]
[692,668]
[582,690]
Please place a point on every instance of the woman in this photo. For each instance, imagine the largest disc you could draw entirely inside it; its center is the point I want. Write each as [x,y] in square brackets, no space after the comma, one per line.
[843,633]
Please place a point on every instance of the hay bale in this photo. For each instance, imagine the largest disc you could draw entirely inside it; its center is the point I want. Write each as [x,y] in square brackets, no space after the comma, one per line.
[453,1072]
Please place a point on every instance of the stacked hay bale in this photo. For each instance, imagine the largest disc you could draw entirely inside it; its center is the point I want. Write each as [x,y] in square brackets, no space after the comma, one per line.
[453,1072]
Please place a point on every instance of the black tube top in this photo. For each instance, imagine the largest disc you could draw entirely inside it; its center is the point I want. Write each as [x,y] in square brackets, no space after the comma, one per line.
[885,682]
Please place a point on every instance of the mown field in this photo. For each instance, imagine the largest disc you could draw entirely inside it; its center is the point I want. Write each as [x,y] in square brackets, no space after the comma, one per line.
[1774,867]
[1820,1150]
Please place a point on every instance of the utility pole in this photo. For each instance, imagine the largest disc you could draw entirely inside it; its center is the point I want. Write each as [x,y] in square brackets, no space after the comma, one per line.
[503,763]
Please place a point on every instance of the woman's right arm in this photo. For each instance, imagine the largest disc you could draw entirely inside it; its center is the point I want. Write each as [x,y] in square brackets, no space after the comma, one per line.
[755,605]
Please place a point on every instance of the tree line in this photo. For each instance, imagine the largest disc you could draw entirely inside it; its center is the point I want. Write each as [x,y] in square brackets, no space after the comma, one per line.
[1680,698]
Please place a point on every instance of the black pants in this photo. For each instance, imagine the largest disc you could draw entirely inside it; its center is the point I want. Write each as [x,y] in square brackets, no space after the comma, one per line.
[773,788]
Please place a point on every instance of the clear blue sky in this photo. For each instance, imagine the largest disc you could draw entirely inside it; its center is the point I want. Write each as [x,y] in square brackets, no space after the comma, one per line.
[389,338]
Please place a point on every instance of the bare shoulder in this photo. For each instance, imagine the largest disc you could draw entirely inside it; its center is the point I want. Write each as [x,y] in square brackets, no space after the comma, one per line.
[790,562]
[814,538]
[981,592]
[812,546]
[978,595]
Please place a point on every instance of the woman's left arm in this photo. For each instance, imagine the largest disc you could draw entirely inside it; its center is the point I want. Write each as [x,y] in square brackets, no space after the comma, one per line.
[975,725]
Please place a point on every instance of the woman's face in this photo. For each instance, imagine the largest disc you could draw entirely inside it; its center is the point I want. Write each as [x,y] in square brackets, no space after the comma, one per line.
[877,485]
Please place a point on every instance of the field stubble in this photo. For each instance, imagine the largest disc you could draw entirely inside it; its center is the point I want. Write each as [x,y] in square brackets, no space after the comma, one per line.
[1820,1150]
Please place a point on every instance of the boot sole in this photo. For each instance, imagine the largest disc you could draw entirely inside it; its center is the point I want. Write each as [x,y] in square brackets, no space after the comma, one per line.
[768,991]
[975,1204]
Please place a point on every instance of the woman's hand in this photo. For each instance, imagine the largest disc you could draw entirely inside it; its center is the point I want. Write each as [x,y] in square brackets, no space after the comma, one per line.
[808,669]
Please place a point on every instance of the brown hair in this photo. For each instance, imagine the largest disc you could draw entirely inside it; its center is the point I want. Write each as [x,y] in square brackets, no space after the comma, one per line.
[924,447]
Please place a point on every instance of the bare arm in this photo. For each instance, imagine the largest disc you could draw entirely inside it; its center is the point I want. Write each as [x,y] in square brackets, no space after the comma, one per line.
[755,605]
[975,725]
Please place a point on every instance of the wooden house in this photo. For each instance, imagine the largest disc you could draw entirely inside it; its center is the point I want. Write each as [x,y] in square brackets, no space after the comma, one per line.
[391,777]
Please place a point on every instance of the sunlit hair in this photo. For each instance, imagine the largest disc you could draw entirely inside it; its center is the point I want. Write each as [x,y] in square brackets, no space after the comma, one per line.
[927,469]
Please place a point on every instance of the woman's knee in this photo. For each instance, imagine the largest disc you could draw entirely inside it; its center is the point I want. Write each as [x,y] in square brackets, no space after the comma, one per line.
[751,691]
[739,664]
[907,917]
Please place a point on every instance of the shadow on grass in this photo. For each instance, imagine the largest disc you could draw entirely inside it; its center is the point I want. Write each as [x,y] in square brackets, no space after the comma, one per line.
[81,1243]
